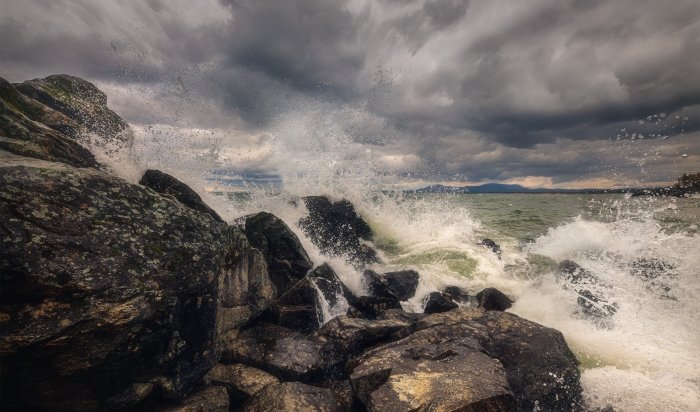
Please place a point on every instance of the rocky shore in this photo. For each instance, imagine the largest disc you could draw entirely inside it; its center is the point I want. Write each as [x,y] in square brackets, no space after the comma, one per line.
[116,296]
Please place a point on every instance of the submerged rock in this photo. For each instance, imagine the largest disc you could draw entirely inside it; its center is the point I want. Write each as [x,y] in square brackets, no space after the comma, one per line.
[495,247]
[105,285]
[437,302]
[337,230]
[589,289]
[372,306]
[165,184]
[293,397]
[493,299]
[287,261]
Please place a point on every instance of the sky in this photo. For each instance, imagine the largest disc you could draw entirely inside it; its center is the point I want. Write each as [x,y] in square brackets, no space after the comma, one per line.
[545,93]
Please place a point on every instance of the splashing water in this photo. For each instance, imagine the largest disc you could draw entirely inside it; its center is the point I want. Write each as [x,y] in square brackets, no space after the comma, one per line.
[646,357]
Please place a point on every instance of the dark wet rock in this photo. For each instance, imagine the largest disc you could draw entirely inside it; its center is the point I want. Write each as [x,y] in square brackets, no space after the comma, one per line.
[284,352]
[165,184]
[209,399]
[540,368]
[493,299]
[495,247]
[456,293]
[28,128]
[293,397]
[240,380]
[105,285]
[436,302]
[337,230]
[433,369]
[590,290]
[286,258]
[301,307]
[80,101]
[343,337]
[372,306]
[401,285]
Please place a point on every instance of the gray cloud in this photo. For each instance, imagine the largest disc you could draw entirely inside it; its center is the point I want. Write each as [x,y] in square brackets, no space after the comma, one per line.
[483,90]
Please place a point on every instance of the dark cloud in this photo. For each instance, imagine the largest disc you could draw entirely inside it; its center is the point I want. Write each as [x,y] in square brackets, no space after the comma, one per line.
[450,82]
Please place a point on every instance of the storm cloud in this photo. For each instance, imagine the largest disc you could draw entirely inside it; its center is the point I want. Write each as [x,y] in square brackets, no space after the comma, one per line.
[443,89]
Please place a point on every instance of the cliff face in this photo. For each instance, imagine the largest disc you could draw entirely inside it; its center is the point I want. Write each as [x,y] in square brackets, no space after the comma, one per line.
[116,296]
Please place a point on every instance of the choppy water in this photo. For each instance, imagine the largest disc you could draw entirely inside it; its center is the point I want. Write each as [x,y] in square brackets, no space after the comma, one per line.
[645,358]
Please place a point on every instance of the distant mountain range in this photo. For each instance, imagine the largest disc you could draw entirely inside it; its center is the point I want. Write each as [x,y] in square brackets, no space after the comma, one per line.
[503,188]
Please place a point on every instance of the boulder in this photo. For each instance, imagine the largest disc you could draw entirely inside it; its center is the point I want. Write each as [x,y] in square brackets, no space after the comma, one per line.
[209,399]
[283,352]
[302,306]
[493,299]
[541,369]
[436,302]
[372,306]
[433,369]
[401,284]
[28,128]
[456,293]
[286,258]
[106,285]
[337,230]
[495,247]
[165,184]
[292,397]
[240,380]
[80,101]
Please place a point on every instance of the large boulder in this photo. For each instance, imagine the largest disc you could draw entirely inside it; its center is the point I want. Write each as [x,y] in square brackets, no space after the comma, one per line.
[80,101]
[337,230]
[29,128]
[541,369]
[165,184]
[433,369]
[293,397]
[287,261]
[107,286]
